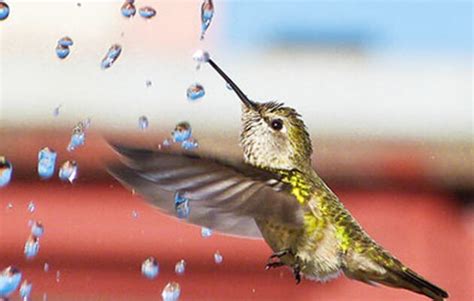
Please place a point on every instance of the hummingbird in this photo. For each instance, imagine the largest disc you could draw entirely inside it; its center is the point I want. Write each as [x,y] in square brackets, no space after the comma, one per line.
[273,193]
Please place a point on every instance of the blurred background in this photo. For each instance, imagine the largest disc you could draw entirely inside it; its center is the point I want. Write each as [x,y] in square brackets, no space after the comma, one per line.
[385,88]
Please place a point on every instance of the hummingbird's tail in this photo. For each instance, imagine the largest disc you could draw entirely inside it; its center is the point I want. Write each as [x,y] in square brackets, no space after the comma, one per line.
[387,270]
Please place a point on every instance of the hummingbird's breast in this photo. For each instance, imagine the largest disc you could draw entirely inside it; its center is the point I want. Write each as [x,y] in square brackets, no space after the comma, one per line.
[314,246]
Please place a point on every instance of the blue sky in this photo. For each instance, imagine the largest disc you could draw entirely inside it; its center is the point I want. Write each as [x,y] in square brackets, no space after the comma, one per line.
[375,26]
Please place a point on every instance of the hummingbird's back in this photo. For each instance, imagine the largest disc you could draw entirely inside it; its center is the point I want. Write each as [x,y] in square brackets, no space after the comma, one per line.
[362,258]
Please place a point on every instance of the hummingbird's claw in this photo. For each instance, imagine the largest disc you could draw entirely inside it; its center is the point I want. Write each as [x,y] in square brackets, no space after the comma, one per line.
[274,259]
[280,254]
[297,273]
[273,265]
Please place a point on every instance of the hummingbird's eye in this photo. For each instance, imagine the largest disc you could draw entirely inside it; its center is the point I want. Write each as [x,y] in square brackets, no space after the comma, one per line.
[277,124]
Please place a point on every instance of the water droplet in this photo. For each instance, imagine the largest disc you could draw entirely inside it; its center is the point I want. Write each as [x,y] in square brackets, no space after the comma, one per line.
[201,56]
[56,111]
[31,207]
[189,144]
[181,205]
[86,123]
[166,143]
[134,214]
[77,139]
[195,91]
[181,132]
[10,279]
[58,276]
[78,136]
[62,48]
[207,12]
[128,9]
[37,229]
[171,292]
[206,232]
[143,122]
[111,56]
[6,170]
[62,51]
[46,162]
[4,11]
[218,257]
[68,171]
[180,267]
[150,268]
[65,41]
[31,247]
[228,86]
[46,267]
[45,297]
[9,205]
[147,12]
[25,290]
[148,83]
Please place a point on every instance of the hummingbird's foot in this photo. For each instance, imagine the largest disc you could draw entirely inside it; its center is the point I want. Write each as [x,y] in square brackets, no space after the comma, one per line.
[280,254]
[274,261]
[297,273]
[273,265]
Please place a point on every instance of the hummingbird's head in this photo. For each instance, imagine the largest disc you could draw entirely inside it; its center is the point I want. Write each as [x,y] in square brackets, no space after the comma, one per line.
[272,135]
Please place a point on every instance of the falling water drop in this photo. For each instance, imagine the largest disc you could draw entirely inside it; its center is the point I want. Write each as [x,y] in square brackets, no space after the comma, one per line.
[65,41]
[189,144]
[78,137]
[4,11]
[181,132]
[207,12]
[37,229]
[56,111]
[25,290]
[46,162]
[31,247]
[143,122]
[128,9]
[46,267]
[171,292]
[68,171]
[6,170]
[150,268]
[206,232]
[166,142]
[10,279]
[62,51]
[180,267]
[201,56]
[181,205]
[195,91]
[31,207]
[147,12]
[218,257]
[111,56]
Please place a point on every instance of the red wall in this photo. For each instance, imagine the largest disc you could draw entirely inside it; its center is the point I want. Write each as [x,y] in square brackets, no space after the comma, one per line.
[96,244]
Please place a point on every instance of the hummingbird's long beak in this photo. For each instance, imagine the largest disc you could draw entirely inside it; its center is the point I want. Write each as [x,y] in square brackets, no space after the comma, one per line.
[247,102]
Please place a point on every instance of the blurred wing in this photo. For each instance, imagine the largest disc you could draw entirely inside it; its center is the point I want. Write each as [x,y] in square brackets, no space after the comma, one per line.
[224,197]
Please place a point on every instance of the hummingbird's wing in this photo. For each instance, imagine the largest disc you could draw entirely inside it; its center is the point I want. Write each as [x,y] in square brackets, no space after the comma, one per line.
[222,196]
